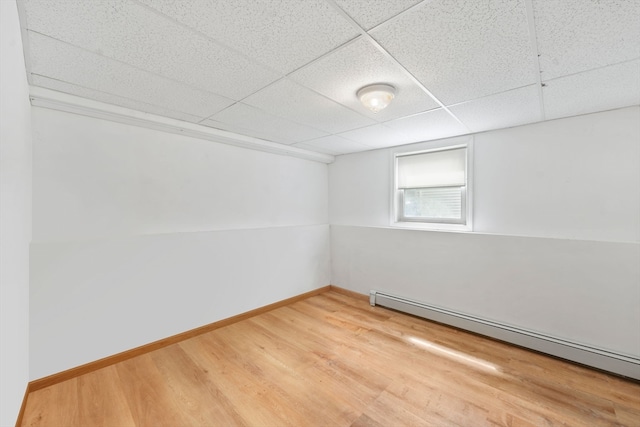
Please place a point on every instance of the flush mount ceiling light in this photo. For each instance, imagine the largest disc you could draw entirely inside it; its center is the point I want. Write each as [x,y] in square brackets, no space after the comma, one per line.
[376,97]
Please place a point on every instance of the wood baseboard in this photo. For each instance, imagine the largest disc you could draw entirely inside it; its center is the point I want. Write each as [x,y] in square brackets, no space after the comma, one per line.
[23,406]
[349,293]
[111,360]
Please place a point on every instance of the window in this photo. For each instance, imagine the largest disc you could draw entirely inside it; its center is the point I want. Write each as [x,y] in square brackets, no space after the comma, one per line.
[431,186]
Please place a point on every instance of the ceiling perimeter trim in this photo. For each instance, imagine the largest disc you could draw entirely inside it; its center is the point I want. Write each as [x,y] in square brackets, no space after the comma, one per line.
[46,98]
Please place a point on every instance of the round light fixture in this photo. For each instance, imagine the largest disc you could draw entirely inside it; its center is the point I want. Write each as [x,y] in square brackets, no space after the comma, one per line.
[376,97]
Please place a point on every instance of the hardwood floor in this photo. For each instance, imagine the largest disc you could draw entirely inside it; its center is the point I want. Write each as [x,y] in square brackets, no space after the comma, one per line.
[332,360]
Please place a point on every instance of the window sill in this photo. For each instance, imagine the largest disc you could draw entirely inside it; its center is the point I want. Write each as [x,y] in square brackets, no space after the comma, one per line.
[466,228]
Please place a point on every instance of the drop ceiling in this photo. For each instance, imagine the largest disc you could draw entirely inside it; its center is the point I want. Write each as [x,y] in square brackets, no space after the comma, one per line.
[286,71]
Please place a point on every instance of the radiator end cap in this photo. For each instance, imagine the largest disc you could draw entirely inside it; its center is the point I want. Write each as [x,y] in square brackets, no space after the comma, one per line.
[372,298]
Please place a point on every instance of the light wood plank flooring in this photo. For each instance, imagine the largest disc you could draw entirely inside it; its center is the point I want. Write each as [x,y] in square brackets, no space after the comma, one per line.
[332,360]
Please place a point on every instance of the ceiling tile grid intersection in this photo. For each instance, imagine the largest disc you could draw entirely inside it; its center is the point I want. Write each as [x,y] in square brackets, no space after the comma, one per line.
[264,125]
[463,50]
[577,35]
[434,124]
[402,71]
[292,101]
[369,14]
[340,74]
[612,87]
[506,109]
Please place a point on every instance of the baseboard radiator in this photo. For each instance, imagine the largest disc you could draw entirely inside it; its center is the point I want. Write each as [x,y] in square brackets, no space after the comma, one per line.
[620,364]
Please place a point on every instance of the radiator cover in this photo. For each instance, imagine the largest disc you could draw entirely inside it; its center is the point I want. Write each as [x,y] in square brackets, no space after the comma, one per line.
[620,364]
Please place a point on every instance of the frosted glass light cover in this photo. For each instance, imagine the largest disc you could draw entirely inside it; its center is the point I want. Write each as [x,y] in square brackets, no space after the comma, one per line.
[376,97]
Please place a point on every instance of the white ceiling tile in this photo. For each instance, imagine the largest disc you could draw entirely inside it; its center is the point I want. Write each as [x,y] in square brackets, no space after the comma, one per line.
[134,34]
[433,124]
[376,136]
[61,61]
[603,89]
[463,50]
[340,74]
[266,125]
[333,144]
[298,104]
[368,13]
[108,98]
[512,108]
[579,35]
[284,34]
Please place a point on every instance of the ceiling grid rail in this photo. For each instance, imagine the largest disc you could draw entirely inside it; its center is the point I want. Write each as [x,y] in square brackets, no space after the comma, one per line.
[535,54]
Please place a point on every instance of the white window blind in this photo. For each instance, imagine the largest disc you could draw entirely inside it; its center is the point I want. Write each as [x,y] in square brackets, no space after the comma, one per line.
[431,187]
[445,168]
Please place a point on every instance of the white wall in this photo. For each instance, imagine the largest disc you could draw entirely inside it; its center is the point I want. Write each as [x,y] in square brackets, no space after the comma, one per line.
[91,299]
[94,178]
[15,216]
[574,178]
[582,291]
[140,234]
[557,231]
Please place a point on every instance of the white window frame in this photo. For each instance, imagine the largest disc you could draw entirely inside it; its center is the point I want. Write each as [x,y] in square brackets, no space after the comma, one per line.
[397,220]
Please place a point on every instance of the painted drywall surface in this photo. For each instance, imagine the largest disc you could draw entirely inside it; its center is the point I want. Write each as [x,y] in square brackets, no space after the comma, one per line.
[140,235]
[94,178]
[582,291]
[556,230]
[15,216]
[574,178]
[93,299]
[360,189]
